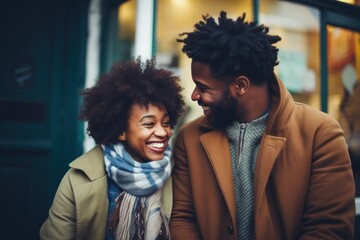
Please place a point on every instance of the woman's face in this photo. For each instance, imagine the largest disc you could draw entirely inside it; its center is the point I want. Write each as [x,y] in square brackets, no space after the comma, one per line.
[148,132]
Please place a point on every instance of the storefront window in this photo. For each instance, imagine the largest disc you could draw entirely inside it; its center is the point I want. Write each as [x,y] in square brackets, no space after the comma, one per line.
[126,28]
[344,89]
[177,16]
[355,2]
[299,54]
[118,33]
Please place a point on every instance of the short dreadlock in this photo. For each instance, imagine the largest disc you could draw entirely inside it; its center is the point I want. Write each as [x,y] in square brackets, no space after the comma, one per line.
[232,47]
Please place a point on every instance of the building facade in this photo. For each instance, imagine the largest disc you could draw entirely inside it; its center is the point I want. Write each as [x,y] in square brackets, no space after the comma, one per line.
[52,50]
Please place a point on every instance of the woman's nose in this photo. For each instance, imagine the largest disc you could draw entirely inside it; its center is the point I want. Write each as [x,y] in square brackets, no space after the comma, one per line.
[161,132]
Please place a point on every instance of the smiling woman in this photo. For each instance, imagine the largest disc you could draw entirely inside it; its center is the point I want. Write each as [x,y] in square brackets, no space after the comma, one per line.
[148,132]
[121,188]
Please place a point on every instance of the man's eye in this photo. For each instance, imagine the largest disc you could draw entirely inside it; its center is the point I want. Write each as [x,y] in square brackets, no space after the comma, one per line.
[201,88]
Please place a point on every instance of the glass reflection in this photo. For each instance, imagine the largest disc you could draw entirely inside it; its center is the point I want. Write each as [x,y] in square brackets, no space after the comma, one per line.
[344,89]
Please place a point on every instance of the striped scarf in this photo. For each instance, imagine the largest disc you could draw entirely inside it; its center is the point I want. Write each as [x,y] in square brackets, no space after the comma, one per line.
[138,213]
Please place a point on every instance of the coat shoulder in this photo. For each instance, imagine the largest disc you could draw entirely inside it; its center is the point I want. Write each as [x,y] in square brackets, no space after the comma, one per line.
[311,115]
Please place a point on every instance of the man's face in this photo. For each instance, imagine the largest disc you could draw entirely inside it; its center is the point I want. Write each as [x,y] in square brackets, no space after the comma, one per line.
[212,95]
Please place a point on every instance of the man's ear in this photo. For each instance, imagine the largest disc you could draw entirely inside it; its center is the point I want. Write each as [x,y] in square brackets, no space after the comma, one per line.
[122,136]
[241,84]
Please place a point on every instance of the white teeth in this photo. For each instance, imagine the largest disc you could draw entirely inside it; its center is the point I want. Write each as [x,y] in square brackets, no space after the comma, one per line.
[156,145]
[205,107]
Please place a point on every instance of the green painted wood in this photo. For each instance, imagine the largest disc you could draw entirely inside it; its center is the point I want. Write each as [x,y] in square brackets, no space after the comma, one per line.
[42,67]
[323,64]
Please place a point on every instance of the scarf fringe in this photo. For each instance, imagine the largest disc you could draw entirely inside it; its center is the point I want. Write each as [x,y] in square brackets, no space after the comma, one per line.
[139,218]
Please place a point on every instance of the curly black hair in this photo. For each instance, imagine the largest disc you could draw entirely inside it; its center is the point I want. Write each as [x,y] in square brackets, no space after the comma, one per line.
[232,47]
[106,105]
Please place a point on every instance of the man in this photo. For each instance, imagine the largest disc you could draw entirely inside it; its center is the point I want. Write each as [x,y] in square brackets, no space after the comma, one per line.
[258,165]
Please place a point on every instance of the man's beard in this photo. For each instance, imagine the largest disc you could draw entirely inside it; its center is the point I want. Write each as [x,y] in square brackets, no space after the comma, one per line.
[223,113]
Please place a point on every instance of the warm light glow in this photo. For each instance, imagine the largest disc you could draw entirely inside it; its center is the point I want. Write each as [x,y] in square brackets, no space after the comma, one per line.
[126,19]
[347,1]
[180,3]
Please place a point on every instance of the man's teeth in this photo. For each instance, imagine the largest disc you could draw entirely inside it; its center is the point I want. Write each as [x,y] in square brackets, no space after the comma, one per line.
[205,107]
[156,145]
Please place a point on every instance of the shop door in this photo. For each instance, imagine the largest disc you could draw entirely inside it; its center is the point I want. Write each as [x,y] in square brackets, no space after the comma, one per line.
[41,61]
[24,118]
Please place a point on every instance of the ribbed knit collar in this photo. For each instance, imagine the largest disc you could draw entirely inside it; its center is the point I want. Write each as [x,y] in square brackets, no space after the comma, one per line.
[232,130]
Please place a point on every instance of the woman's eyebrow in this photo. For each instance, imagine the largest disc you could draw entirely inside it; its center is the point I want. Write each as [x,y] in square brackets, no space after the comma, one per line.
[147,116]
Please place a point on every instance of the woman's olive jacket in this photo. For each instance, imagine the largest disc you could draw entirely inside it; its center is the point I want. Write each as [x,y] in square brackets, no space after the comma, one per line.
[303,181]
[80,207]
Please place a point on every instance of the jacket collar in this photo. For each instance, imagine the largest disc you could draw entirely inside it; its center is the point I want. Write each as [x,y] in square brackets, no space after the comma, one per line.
[91,163]
[281,105]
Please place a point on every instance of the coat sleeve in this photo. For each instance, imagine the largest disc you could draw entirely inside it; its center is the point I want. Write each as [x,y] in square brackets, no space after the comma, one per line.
[329,211]
[183,223]
[61,222]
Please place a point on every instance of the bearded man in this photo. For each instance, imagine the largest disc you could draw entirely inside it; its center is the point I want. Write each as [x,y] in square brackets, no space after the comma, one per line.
[257,165]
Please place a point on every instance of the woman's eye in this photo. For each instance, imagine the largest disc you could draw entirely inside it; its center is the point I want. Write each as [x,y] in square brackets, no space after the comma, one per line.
[166,124]
[149,124]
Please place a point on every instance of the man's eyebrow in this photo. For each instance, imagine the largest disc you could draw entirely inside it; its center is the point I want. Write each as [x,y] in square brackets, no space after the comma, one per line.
[199,84]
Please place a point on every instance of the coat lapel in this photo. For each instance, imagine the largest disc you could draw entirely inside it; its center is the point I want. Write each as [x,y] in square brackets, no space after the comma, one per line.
[217,149]
[271,148]
[268,153]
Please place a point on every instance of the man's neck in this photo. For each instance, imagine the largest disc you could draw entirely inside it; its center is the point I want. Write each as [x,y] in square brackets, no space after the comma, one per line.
[256,105]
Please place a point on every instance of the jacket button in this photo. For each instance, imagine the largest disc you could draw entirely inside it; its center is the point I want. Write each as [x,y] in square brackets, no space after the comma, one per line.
[230,229]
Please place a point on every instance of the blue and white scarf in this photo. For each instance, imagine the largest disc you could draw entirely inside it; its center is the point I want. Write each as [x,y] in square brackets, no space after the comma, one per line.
[138,213]
[135,178]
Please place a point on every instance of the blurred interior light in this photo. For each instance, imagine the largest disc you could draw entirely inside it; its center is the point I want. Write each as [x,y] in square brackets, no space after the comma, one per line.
[180,3]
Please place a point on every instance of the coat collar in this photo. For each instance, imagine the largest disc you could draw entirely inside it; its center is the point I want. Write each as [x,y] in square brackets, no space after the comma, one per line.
[282,104]
[91,163]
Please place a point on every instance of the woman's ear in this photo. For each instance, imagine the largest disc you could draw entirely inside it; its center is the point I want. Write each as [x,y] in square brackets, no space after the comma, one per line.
[122,136]
[241,84]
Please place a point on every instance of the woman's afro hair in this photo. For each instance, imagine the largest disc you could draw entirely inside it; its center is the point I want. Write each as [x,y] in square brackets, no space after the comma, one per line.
[232,47]
[106,105]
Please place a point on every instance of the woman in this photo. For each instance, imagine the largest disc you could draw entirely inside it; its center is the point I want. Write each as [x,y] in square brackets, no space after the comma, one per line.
[114,191]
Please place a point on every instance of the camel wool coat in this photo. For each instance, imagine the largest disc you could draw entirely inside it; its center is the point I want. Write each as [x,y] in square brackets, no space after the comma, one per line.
[303,181]
[80,207]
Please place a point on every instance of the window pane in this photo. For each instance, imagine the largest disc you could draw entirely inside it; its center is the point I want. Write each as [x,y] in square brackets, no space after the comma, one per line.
[299,53]
[126,29]
[354,2]
[344,89]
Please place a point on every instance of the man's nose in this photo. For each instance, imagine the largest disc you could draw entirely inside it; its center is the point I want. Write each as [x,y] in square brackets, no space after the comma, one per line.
[195,96]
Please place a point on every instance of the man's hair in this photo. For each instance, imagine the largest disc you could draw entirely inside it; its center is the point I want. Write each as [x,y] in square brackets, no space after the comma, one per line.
[106,105]
[232,47]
